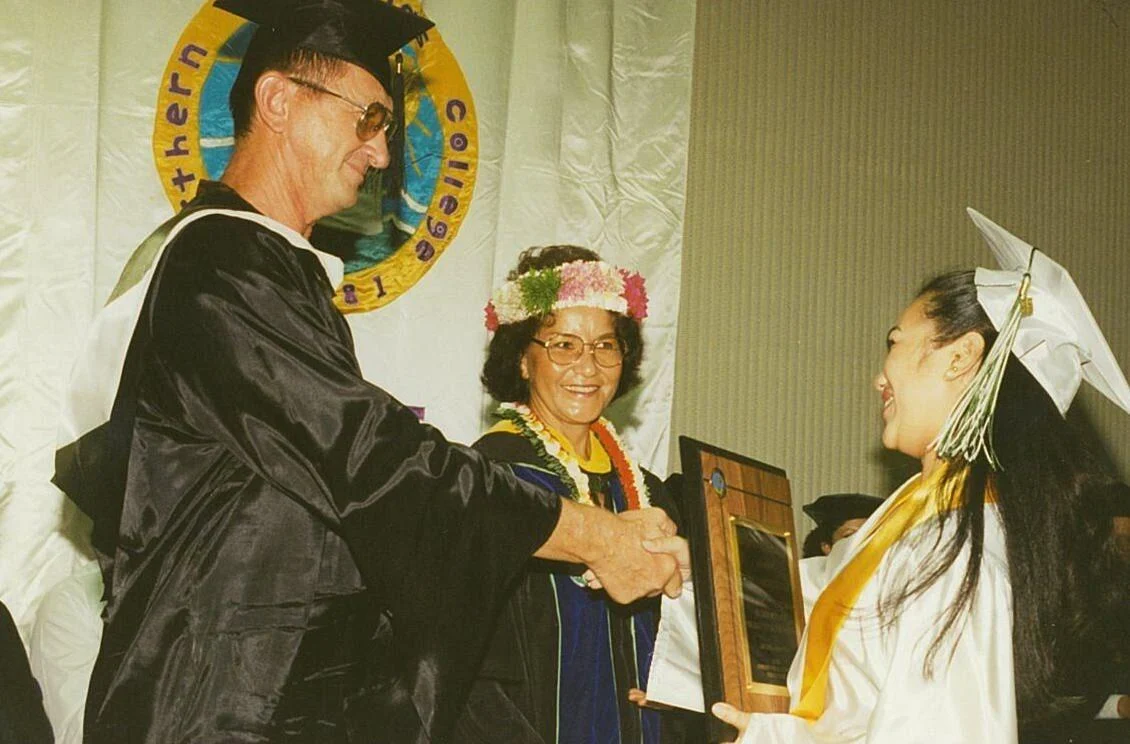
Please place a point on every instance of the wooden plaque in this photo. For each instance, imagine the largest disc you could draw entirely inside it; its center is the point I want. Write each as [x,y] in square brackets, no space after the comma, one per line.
[739,520]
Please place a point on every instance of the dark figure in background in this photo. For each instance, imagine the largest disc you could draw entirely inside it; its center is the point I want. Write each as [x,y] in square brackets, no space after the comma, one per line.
[837,516]
[1105,716]
[22,719]
[288,554]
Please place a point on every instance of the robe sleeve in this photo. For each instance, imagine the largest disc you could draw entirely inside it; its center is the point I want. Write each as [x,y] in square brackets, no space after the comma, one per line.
[777,728]
[244,335]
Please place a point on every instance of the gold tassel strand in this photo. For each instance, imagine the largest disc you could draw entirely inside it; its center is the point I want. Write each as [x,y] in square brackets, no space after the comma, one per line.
[968,430]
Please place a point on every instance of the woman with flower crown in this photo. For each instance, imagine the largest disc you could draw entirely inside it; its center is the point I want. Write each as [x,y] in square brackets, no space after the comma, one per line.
[566,343]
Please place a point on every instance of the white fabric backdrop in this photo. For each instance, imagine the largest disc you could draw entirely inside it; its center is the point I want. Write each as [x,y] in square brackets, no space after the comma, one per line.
[583,120]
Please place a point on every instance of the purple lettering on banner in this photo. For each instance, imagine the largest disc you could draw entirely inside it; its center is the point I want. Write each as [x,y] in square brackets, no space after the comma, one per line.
[456,110]
[448,204]
[437,229]
[181,178]
[425,251]
[459,142]
[176,114]
[177,148]
[188,50]
[459,164]
[350,293]
[453,182]
[175,86]
[380,287]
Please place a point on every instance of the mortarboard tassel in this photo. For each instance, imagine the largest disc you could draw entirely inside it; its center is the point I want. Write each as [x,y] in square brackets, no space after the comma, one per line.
[968,429]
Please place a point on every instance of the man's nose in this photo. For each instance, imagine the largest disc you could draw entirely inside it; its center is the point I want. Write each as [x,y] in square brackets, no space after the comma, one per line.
[377,151]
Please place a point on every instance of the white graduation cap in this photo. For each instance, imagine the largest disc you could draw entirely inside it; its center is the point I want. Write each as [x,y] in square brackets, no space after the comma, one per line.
[1041,318]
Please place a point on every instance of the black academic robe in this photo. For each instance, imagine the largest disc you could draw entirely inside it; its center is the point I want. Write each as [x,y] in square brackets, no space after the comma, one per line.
[288,553]
[563,658]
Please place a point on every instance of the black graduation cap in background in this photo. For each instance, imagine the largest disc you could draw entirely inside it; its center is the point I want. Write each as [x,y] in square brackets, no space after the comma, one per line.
[836,508]
[363,32]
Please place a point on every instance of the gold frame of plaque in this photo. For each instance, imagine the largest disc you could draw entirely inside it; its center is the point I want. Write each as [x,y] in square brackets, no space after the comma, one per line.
[750,612]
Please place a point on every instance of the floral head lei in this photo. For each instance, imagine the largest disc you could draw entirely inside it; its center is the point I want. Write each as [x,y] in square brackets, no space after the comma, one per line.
[574,284]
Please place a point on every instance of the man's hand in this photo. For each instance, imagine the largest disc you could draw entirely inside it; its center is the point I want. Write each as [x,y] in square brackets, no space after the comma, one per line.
[627,571]
[652,522]
[674,546]
[611,546]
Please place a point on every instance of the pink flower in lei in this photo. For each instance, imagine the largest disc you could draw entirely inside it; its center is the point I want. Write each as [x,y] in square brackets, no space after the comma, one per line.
[580,278]
[635,294]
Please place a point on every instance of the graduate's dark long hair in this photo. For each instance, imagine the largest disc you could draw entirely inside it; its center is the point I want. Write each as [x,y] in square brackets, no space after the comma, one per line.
[1069,592]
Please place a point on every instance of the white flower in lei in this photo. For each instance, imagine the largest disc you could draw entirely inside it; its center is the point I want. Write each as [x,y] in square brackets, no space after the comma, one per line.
[553,449]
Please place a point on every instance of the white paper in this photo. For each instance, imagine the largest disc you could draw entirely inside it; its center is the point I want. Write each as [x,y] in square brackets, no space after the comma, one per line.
[676,673]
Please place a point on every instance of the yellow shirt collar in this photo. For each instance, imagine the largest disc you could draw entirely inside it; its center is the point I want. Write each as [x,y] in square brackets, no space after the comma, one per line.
[598,460]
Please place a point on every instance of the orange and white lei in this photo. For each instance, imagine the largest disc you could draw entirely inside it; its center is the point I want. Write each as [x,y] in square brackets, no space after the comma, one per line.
[631,477]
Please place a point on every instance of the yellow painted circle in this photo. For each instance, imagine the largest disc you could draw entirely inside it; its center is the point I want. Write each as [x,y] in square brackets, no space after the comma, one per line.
[189,146]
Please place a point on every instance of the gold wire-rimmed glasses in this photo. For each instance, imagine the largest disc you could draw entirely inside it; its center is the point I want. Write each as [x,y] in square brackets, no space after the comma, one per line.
[375,117]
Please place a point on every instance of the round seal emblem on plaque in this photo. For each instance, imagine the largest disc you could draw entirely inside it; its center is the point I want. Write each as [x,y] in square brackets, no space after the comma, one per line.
[718,483]
[402,222]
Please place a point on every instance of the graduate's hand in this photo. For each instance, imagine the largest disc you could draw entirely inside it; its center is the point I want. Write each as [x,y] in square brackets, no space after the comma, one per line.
[677,548]
[731,715]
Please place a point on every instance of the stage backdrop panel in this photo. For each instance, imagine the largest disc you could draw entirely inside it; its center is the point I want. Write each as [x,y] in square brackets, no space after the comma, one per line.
[581,111]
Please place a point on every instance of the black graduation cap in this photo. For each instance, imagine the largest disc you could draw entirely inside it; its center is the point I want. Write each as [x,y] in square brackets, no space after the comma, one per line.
[363,32]
[834,509]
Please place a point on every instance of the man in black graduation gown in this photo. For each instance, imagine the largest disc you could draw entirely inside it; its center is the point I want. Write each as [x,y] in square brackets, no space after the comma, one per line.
[288,554]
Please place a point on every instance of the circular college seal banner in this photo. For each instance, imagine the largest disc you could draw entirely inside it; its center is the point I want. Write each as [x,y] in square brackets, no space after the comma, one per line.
[404,218]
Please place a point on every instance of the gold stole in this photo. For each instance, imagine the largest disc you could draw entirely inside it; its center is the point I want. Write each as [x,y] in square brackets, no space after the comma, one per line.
[913,504]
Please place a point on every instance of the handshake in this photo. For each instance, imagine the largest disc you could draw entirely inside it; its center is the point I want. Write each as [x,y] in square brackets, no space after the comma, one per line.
[630,555]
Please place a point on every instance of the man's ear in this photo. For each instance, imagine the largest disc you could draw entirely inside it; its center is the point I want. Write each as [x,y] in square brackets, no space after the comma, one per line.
[273,97]
[523,369]
[966,354]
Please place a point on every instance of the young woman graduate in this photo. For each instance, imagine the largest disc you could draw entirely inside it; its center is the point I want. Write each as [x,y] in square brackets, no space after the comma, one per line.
[979,595]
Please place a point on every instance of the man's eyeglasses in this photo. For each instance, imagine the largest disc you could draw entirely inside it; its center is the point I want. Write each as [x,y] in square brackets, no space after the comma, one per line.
[565,348]
[375,118]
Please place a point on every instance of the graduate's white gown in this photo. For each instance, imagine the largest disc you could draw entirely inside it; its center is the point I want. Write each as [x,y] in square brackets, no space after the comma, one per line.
[877,691]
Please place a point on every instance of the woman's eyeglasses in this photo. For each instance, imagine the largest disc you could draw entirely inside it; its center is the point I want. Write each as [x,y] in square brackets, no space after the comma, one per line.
[565,349]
